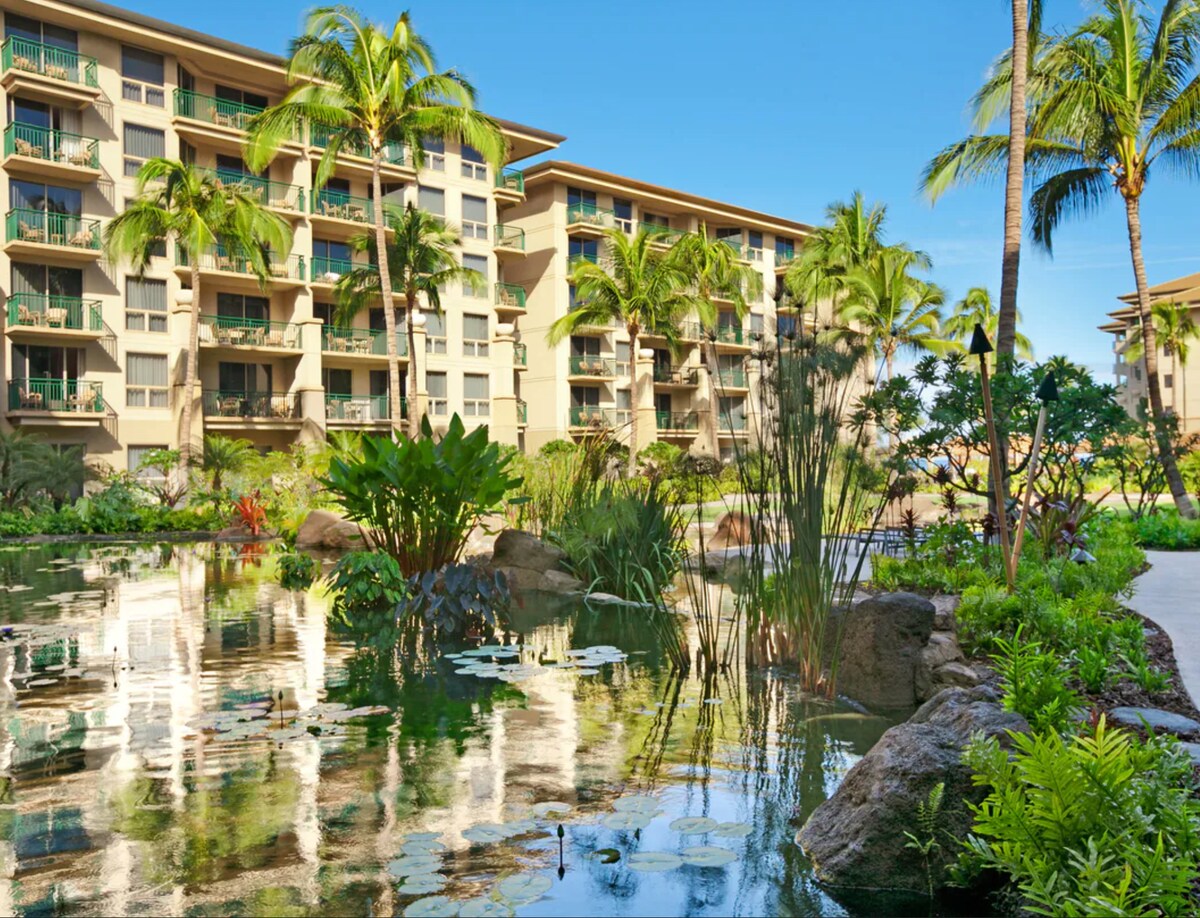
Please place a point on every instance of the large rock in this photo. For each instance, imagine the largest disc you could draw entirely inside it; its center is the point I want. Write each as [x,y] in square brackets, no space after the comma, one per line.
[941,649]
[514,548]
[733,529]
[883,639]
[856,837]
[1155,719]
[328,529]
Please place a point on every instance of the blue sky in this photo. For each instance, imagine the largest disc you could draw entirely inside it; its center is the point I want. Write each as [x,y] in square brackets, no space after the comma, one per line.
[783,107]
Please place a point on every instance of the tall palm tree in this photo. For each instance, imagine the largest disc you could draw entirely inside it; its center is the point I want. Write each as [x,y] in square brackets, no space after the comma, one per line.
[713,271]
[1175,330]
[977,308]
[420,261]
[1109,101]
[890,309]
[178,202]
[640,287]
[225,456]
[373,87]
[852,234]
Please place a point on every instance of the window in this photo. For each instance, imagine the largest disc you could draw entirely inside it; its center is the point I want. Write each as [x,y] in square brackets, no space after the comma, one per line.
[476,396]
[623,214]
[435,153]
[432,200]
[435,333]
[145,304]
[785,250]
[31,30]
[243,377]
[1168,381]
[657,220]
[588,347]
[624,413]
[142,76]
[47,198]
[731,236]
[476,287]
[624,365]
[146,380]
[755,244]
[237,306]
[435,385]
[473,166]
[732,413]
[141,144]
[46,280]
[241,96]
[135,456]
[335,381]
[324,312]
[756,324]
[785,326]
[579,249]
[474,221]
[580,196]
[330,260]
[475,336]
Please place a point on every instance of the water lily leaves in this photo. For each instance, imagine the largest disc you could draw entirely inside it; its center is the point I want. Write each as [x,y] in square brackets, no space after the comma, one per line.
[693,825]
[732,830]
[524,888]
[432,907]
[422,846]
[486,833]
[636,802]
[587,672]
[484,908]
[654,861]
[707,856]
[412,865]
[422,885]
[607,855]
[550,807]
[627,821]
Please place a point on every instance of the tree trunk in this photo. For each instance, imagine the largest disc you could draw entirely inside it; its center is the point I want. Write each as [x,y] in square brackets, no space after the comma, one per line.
[714,398]
[1006,333]
[1150,357]
[889,357]
[389,303]
[634,392]
[410,304]
[192,371]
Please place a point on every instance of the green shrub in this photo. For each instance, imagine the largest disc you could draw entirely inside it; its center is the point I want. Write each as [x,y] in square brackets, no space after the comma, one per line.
[422,497]
[662,458]
[368,588]
[1166,531]
[1098,824]
[1034,684]
[296,570]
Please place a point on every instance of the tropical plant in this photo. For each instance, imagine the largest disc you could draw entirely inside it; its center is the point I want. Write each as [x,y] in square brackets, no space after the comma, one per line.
[224,456]
[849,239]
[457,599]
[178,202]
[368,587]
[1175,330]
[20,464]
[421,261]
[977,308]
[926,843]
[1033,683]
[420,498]
[251,512]
[162,481]
[711,268]
[639,287]
[296,570]
[376,89]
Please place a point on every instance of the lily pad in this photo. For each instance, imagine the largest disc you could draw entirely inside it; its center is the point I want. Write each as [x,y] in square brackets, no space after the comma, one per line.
[654,861]
[693,825]
[627,821]
[550,807]
[486,833]
[422,885]
[708,856]
[412,865]
[484,908]
[524,888]
[422,846]
[587,672]
[432,907]
[607,855]
[732,830]
[635,802]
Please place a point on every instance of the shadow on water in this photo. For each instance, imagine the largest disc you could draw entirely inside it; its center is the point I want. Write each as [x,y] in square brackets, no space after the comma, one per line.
[180,735]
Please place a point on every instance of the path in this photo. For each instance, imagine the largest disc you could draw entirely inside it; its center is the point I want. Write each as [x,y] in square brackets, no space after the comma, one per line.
[1169,593]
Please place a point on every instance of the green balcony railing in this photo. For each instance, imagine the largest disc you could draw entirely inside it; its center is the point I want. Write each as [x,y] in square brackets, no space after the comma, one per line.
[48,228]
[733,422]
[239,331]
[677,376]
[236,403]
[289,268]
[221,112]
[364,341]
[509,237]
[785,258]
[522,412]
[590,215]
[663,234]
[579,258]
[676,420]
[583,365]
[735,243]
[324,269]
[731,334]
[394,154]
[510,296]
[363,409]
[734,377]
[40,310]
[511,180]
[279,195]
[341,206]
[76,395]
[51,146]
[593,416]
[47,60]
[520,354]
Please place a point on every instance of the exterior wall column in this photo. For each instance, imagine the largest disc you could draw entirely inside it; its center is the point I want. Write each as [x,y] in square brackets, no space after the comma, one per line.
[419,401]
[503,427]
[308,386]
[180,325]
[708,396]
[643,368]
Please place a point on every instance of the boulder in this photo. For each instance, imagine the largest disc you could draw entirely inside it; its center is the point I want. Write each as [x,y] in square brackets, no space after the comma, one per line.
[312,532]
[944,613]
[238,533]
[524,580]
[856,838]
[941,648]
[344,536]
[883,639]
[1155,718]
[733,528]
[956,674]
[514,548]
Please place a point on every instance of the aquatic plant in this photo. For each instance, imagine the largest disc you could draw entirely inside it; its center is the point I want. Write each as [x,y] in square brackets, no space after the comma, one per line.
[458,598]
[296,570]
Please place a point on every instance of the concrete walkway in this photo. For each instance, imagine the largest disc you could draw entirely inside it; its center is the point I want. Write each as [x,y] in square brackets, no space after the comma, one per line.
[1169,593]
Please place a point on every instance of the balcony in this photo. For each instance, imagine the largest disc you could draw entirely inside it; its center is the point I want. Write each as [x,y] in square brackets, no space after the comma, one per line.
[731,336]
[520,356]
[661,235]
[48,73]
[360,342]
[578,258]
[62,402]
[677,421]
[522,413]
[785,259]
[731,378]
[510,186]
[55,155]
[278,196]
[350,410]
[510,298]
[593,417]
[327,271]
[230,408]
[676,377]
[354,156]
[508,240]
[281,271]
[732,423]
[238,331]
[39,233]
[741,251]
[52,317]
[339,210]
[209,119]
[589,220]
[589,367]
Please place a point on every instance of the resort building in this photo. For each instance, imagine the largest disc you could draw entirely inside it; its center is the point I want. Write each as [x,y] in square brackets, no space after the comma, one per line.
[95,355]
[1180,389]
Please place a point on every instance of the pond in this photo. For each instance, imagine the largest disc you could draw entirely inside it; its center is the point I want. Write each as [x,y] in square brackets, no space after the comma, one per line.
[149,766]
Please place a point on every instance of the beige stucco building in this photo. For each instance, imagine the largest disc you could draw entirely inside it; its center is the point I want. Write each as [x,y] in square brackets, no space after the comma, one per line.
[93,355]
[1180,385]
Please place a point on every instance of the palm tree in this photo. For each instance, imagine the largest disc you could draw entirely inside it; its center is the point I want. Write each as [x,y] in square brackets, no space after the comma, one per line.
[225,456]
[1175,330]
[977,308]
[640,287]
[889,309]
[372,87]
[711,267]
[852,234]
[1107,101]
[176,201]
[420,261]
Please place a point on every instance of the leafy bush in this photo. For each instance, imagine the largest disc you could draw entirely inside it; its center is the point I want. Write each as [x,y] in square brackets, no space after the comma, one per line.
[368,587]
[296,570]
[1166,530]
[458,598]
[661,458]
[1099,824]
[422,497]
[1034,684]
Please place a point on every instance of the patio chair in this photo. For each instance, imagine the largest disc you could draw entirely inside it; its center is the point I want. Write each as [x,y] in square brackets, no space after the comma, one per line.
[25,148]
[24,63]
[230,406]
[29,233]
[56,317]
[272,337]
[80,158]
[281,406]
[30,401]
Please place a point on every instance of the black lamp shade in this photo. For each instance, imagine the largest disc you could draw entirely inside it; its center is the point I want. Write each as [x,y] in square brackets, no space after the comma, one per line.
[1048,390]
[979,342]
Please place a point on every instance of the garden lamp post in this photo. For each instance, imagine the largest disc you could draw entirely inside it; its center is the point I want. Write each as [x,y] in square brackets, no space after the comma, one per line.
[981,347]
[1047,392]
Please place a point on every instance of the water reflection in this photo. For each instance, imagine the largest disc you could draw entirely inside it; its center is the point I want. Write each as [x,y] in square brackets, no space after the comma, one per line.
[116,795]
